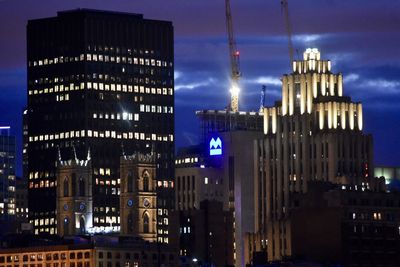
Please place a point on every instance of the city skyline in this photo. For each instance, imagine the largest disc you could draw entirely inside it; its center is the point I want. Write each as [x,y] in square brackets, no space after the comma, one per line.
[360,40]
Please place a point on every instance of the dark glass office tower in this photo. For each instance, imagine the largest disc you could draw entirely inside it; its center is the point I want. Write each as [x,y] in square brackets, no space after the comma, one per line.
[100,85]
[7,175]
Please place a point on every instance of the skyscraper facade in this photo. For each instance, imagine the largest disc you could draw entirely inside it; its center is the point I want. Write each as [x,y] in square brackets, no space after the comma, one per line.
[7,175]
[313,134]
[99,84]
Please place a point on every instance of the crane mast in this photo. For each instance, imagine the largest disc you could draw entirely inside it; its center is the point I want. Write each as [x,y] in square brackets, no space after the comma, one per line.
[285,7]
[234,58]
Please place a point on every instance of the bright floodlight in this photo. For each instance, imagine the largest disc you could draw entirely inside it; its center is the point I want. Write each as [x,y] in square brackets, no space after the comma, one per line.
[235,90]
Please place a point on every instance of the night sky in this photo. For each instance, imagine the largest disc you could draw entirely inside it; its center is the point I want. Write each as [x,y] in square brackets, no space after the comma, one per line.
[361,37]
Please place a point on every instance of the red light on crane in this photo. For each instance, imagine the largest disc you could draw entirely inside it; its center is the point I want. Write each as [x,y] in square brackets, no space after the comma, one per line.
[237,53]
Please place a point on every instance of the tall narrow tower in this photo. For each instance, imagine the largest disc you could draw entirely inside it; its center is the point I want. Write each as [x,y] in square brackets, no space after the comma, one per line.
[74,196]
[138,199]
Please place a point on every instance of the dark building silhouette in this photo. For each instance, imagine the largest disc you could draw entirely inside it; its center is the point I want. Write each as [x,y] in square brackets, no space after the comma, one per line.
[7,175]
[206,235]
[98,81]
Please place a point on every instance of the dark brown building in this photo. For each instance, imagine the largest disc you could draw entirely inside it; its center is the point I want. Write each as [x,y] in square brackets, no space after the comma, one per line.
[345,224]
[206,235]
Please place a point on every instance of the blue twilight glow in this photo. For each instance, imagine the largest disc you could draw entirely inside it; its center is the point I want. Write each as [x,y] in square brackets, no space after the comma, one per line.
[215,147]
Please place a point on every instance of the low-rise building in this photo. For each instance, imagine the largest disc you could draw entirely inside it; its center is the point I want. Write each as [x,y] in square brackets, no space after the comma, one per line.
[100,251]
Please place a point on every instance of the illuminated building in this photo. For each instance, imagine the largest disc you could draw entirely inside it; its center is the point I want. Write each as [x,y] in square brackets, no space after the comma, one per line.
[313,135]
[7,175]
[98,252]
[98,81]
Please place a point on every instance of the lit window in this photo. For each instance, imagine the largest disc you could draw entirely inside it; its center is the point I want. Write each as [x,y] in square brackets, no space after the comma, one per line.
[205,180]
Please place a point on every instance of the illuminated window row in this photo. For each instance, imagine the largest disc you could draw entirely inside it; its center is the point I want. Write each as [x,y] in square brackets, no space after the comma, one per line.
[103,87]
[22,209]
[129,88]
[57,88]
[105,209]
[156,109]
[102,171]
[42,184]
[107,219]
[166,184]
[37,175]
[62,97]
[107,182]
[101,58]
[43,221]
[50,230]
[117,116]
[187,160]
[103,134]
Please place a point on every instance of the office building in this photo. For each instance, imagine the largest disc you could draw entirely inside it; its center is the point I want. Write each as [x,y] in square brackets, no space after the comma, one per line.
[313,134]
[7,175]
[99,83]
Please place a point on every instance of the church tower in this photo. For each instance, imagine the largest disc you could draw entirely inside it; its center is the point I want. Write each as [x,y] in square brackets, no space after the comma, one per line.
[74,196]
[138,215]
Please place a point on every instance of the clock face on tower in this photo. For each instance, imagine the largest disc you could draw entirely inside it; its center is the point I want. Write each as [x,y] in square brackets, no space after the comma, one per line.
[82,206]
[65,207]
[129,203]
[146,203]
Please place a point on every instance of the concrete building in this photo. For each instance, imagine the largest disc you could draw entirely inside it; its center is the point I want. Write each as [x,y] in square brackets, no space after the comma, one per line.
[314,135]
[197,179]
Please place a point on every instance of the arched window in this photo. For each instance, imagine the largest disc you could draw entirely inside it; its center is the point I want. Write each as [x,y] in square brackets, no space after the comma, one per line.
[73,184]
[130,223]
[82,225]
[130,182]
[66,226]
[81,187]
[66,187]
[145,223]
[145,181]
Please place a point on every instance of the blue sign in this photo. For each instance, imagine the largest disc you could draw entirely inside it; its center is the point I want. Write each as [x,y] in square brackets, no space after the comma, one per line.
[215,146]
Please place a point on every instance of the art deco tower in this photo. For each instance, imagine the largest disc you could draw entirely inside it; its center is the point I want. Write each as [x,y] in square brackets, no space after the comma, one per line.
[98,81]
[313,134]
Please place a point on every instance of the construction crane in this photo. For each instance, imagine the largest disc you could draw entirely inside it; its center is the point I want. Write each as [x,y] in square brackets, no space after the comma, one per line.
[234,58]
[262,100]
[285,7]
